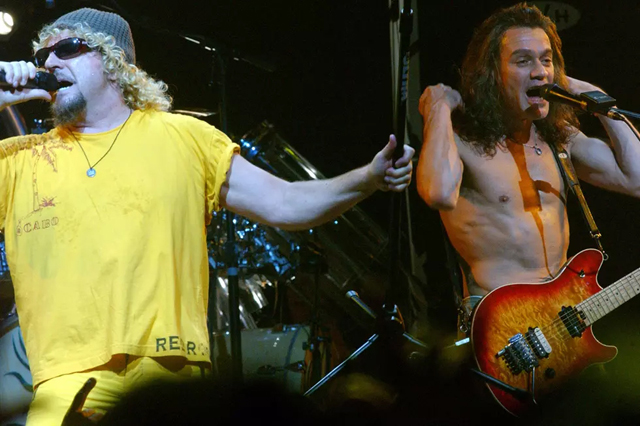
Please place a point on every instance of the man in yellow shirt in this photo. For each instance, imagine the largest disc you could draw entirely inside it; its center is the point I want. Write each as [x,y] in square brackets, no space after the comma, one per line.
[105,215]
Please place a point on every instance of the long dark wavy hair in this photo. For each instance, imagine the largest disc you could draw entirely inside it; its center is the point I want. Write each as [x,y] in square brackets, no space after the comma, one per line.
[483,121]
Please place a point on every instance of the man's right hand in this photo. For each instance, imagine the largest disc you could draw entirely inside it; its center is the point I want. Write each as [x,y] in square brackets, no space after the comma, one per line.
[438,94]
[77,415]
[17,74]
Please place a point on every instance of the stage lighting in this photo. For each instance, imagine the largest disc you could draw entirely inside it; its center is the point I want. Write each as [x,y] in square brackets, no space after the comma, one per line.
[6,23]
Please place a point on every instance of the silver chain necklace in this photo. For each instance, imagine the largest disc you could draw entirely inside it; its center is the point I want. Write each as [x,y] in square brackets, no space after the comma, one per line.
[91,171]
[536,148]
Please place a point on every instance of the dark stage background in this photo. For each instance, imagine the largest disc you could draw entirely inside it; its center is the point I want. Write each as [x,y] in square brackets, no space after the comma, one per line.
[329,95]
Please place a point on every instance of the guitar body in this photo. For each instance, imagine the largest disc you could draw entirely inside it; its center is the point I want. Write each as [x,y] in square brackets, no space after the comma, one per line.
[513,308]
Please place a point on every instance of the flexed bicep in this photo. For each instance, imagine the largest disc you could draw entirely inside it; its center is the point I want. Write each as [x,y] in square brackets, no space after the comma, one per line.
[596,163]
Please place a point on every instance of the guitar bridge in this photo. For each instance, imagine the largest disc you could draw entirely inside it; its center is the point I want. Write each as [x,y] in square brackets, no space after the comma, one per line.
[518,355]
[522,352]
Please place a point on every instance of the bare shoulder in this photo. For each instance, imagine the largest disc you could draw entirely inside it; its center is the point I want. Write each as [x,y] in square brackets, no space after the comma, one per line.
[576,138]
[469,154]
[586,150]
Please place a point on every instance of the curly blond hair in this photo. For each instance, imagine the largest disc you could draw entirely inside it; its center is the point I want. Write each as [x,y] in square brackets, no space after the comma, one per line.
[139,90]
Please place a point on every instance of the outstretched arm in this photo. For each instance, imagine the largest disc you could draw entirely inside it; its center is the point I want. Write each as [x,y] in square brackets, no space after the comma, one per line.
[260,196]
[440,168]
[614,166]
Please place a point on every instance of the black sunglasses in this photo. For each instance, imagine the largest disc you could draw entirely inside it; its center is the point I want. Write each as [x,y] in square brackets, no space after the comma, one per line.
[64,49]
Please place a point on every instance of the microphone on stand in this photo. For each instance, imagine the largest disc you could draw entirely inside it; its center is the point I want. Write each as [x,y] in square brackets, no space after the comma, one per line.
[594,101]
[43,80]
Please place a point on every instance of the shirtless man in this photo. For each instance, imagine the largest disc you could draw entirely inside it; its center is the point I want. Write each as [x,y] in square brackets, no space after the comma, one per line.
[486,162]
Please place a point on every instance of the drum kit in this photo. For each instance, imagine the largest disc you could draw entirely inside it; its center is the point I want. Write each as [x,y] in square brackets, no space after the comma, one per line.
[292,289]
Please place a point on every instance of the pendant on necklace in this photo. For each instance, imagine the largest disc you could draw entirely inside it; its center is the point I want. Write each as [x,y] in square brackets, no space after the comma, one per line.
[538,151]
[92,172]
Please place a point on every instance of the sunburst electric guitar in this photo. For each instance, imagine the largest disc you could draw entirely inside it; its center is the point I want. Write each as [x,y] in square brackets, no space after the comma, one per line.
[533,337]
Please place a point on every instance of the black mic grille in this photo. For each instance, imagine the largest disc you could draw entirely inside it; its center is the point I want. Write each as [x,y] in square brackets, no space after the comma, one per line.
[43,80]
[47,81]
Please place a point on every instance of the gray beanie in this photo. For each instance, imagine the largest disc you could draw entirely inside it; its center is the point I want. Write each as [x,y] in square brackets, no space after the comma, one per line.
[104,22]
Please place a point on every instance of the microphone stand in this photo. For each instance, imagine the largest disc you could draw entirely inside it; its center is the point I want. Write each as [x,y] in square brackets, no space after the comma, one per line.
[389,324]
[391,314]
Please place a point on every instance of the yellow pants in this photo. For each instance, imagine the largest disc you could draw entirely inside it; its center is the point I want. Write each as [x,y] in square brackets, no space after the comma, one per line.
[53,398]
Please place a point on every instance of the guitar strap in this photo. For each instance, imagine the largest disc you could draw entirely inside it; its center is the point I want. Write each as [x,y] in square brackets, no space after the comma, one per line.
[571,180]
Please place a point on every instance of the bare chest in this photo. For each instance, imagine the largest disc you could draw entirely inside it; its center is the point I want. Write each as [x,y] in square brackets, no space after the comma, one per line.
[517,178]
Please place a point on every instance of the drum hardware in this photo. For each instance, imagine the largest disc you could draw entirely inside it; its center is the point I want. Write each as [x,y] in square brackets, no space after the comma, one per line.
[41,125]
[264,252]
[269,370]
[312,257]
[220,56]
[276,354]
[258,254]
[261,266]
[388,327]
[201,113]
[353,246]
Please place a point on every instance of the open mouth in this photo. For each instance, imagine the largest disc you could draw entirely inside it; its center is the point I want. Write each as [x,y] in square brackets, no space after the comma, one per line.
[533,95]
[64,85]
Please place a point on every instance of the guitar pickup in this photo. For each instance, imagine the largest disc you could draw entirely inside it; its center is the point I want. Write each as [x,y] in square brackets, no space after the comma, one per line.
[538,342]
[573,319]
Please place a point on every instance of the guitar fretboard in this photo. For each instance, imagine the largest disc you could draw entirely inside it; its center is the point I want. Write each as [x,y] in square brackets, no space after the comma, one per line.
[605,301]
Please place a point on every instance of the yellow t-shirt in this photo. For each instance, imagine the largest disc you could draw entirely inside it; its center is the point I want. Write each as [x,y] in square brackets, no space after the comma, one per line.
[115,263]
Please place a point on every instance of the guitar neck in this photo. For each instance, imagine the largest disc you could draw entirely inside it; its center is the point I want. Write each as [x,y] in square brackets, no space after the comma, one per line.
[605,301]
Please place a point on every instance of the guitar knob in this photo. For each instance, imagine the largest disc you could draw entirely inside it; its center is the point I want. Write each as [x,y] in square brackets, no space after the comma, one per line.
[550,373]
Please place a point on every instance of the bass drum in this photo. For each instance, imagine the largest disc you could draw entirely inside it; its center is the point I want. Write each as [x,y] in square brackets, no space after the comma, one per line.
[273,354]
[16,386]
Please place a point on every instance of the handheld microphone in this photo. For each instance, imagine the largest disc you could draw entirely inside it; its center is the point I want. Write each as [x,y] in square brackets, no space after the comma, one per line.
[593,101]
[43,80]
